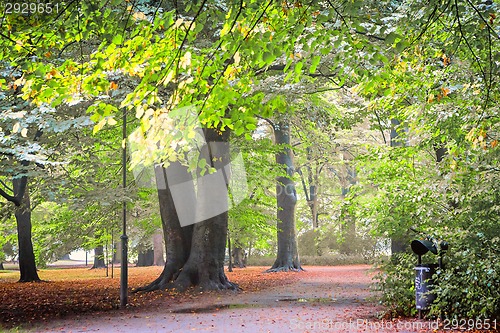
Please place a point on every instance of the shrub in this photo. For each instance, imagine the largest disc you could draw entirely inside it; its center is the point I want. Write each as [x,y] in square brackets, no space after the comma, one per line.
[395,282]
[469,287]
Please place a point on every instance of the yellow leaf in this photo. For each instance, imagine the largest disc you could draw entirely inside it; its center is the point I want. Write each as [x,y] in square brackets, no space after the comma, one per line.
[111,121]
[185,60]
[113,85]
[99,125]
[139,16]
[237,58]
[139,111]
[16,127]
[178,23]
[430,99]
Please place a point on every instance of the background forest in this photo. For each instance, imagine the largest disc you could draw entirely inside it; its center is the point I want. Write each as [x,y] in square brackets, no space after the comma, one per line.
[380,117]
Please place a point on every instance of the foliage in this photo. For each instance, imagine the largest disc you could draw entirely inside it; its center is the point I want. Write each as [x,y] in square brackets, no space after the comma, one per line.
[469,288]
[395,282]
[429,66]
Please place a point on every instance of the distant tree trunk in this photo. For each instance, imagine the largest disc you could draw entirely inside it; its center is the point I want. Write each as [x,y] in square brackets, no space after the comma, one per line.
[158,248]
[349,225]
[117,252]
[239,257]
[286,198]
[1,266]
[27,265]
[311,193]
[145,258]
[195,253]
[399,243]
[230,252]
[313,189]
[99,257]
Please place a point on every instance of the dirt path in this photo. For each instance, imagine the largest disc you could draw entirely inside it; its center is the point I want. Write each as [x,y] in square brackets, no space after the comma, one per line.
[324,299]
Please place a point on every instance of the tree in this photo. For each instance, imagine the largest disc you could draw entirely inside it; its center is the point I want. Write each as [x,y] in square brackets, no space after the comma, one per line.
[399,243]
[195,253]
[286,199]
[27,266]
[99,261]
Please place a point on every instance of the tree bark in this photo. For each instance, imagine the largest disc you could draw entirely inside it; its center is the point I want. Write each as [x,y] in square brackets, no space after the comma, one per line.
[286,198]
[99,257]
[195,253]
[117,252]
[349,225]
[239,257]
[158,248]
[27,265]
[230,253]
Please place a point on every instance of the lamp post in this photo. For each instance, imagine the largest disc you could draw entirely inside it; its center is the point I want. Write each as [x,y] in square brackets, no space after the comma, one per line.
[124,237]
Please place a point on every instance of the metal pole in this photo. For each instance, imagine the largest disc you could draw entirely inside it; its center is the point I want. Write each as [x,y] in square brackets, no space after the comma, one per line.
[124,238]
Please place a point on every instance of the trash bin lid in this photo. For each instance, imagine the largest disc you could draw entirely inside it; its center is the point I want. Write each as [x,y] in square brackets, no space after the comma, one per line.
[421,247]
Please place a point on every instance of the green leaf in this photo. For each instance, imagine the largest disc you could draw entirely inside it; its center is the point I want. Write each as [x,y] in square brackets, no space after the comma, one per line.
[391,38]
[402,45]
[314,64]
[117,39]
[298,68]
[268,57]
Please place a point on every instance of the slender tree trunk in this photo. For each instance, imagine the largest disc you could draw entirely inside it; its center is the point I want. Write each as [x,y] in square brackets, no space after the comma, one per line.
[230,253]
[117,253]
[99,257]
[399,243]
[286,198]
[349,225]
[1,266]
[27,265]
[313,189]
[195,253]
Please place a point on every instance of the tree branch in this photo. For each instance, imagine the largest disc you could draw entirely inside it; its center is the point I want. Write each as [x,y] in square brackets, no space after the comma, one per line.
[269,121]
[10,198]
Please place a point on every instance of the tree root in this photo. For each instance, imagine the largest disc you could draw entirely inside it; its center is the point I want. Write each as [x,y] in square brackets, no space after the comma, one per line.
[285,268]
[179,279]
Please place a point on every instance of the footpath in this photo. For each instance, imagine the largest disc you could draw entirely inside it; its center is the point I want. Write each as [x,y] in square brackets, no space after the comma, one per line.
[330,299]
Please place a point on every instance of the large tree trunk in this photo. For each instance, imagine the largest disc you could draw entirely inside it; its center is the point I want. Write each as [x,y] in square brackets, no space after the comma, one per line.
[195,253]
[99,257]
[27,265]
[399,243]
[286,197]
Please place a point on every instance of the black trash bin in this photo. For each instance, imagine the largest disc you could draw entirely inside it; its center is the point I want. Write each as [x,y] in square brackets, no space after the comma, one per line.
[424,285]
